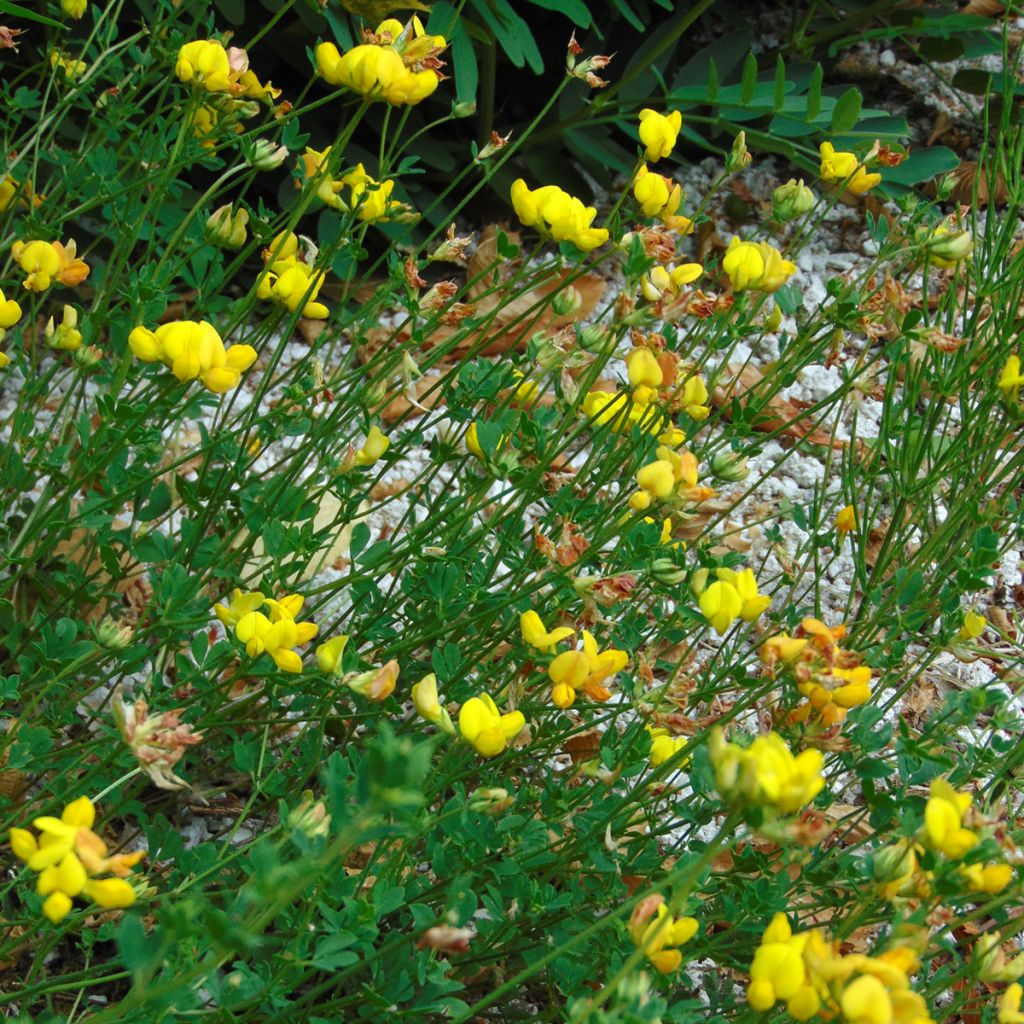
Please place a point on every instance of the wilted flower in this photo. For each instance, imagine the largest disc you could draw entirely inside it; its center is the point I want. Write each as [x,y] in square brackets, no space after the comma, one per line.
[157,741]
[377,684]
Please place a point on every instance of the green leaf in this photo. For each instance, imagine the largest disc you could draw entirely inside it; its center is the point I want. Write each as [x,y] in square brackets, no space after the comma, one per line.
[922,165]
[464,66]
[712,81]
[846,111]
[575,10]
[17,11]
[780,83]
[814,93]
[748,83]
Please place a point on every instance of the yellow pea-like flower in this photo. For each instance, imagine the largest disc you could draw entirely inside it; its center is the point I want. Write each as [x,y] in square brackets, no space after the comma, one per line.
[659,132]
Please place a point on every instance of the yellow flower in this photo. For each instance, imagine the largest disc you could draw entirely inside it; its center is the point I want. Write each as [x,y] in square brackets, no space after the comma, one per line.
[657,935]
[378,684]
[205,62]
[1009,1005]
[757,265]
[275,632]
[375,445]
[866,1001]
[74,8]
[620,414]
[46,262]
[380,72]
[584,670]
[67,335]
[10,312]
[766,773]
[193,351]
[227,227]
[987,878]
[846,520]
[555,213]
[661,197]
[428,705]
[778,972]
[720,604]
[72,68]
[295,286]
[844,167]
[777,270]
[753,603]
[485,728]
[744,264]
[974,625]
[68,855]
[1010,380]
[943,820]
[660,280]
[658,132]
[241,604]
[328,654]
[370,200]
[537,636]
[664,746]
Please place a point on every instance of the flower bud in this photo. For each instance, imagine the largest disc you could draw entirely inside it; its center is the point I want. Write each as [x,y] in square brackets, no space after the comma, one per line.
[266,156]
[463,109]
[328,655]
[490,801]
[378,684]
[739,156]
[310,817]
[566,301]
[595,338]
[66,335]
[88,357]
[113,636]
[699,581]
[948,247]
[227,228]
[791,200]
[664,570]
[730,466]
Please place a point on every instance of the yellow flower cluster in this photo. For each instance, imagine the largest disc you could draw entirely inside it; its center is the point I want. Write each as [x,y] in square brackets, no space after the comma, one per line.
[657,935]
[289,280]
[400,67]
[807,973]
[668,280]
[13,191]
[70,857]
[756,265]
[617,411]
[833,680]
[671,477]
[845,168]
[557,215]
[369,200]
[193,350]
[765,774]
[207,65]
[661,197]
[275,631]
[569,671]
[46,262]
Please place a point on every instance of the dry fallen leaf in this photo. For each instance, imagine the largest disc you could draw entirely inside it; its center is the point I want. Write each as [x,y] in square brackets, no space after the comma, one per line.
[779,415]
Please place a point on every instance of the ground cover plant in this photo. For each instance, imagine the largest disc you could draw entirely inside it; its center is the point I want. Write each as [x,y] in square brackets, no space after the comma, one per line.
[567,570]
